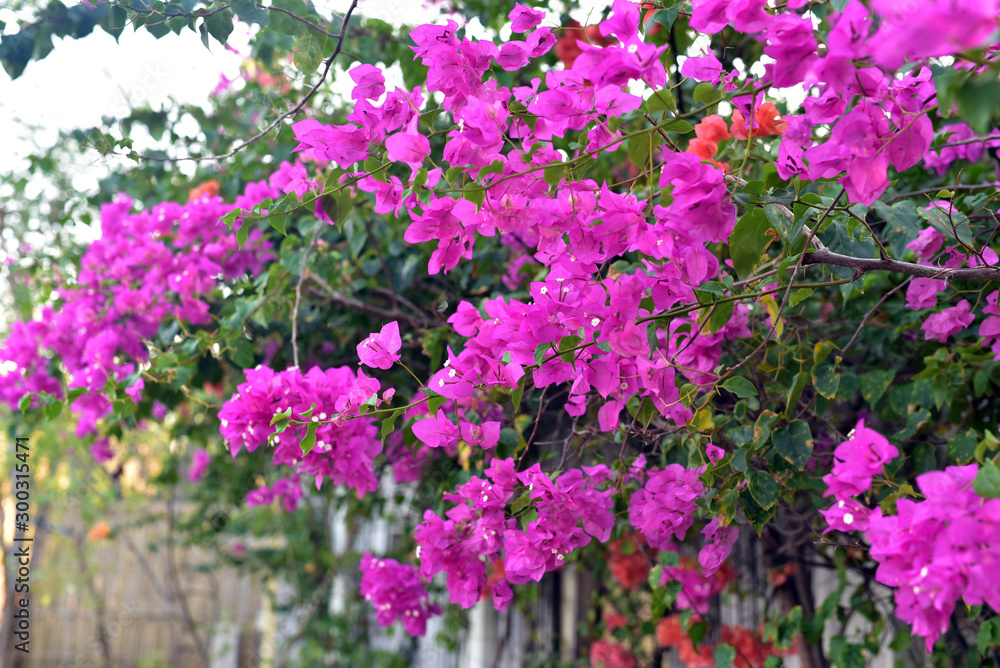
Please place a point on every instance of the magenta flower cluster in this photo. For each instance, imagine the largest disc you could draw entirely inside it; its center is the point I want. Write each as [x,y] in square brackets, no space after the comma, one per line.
[938,550]
[148,267]
[396,592]
[566,511]
[345,445]
[934,551]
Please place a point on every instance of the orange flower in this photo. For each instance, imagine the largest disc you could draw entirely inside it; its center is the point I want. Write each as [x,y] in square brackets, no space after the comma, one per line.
[712,128]
[614,620]
[702,148]
[607,654]
[751,650]
[779,576]
[769,121]
[695,658]
[627,563]
[210,188]
[98,532]
[669,632]
[497,574]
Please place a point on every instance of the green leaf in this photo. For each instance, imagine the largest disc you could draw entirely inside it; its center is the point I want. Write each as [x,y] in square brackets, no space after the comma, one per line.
[566,345]
[901,224]
[243,233]
[553,174]
[739,461]
[987,481]
[748,242]
[763,488]
[518,393]
[875,383]
[114,21]
[799,382]
[757,516]
[962,447]
[707,94]
[823,350]
[308,52]
[666,17]
[54,408]
[281,22]
[697,632]
[337,206]
[641,149]
[720,317]
[660,100]
[989,634]
[740,386]
[647,412]
[308,441]
[495,167]
[389,424]
[979,101]
[284,415]
[248,12]
[826,380]
[796,297]
[220,25]
[680,126]
[724,655]
[242,352]
[474,193]
[795,443]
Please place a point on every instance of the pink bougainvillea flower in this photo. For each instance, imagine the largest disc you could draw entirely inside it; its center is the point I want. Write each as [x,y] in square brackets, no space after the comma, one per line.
[381,350]
[370,82]
[940,326]
[719,542]
[927,243]
[524,18]
[436,431]
[396,592]
[199,465]
[857,460]
[486,435]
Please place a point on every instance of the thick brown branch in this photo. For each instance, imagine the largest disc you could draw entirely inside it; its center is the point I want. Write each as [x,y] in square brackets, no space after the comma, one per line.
[923,271]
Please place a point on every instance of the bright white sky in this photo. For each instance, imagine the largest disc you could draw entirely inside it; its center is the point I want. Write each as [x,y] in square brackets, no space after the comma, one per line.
[83,80]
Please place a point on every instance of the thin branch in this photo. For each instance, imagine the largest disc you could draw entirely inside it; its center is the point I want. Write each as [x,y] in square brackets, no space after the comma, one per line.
[277,121]
[872,312]
[791,282]
[926,191]
[371,309]
[303,270]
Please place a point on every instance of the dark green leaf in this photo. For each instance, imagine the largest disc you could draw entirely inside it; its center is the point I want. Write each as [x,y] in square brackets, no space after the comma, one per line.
[249,12]
[740,386]
[826,379]
[795,443]
[220,25]
[763,488]
[875,383]
[749,240]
